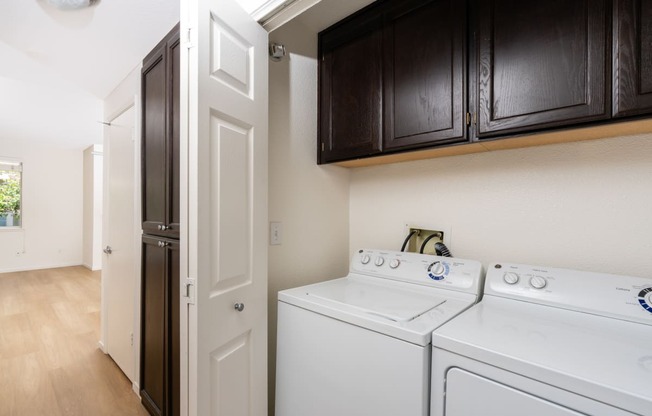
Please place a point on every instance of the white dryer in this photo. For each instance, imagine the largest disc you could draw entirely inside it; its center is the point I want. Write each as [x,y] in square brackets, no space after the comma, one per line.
[360,345]
[547,342]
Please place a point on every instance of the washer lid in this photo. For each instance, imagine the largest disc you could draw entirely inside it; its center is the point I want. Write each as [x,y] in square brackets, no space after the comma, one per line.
[382,301]
[401,310]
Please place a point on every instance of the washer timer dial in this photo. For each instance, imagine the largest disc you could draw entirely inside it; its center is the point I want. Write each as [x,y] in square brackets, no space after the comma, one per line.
[645,299]
[438,270]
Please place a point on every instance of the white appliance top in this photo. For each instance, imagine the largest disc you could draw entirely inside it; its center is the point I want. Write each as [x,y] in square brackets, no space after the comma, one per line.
[403,295]
[588,333]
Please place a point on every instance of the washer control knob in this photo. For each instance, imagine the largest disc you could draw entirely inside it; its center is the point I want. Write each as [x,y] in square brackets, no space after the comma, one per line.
[538,282]
[437,268]
[364,259]
[511,278]
[394,263]
[379,261]
[645,298]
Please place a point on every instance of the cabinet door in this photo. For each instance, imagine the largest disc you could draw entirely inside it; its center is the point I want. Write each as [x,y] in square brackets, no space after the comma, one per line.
[632,63]
[154,137]
[425,73]
[174,285]
[160,147]
[153,368]
[160,345]
[541,64]
[350,101]
[174,115]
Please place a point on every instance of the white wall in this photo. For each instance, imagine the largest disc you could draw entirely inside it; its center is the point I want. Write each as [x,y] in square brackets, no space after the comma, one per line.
[311,201]
[52,209]
[93,178]
[583,205]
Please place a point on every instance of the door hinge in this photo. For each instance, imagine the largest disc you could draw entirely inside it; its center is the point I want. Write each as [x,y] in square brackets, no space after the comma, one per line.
[132,339]
[189,44]
[189,292]
[468,119]
[322,146]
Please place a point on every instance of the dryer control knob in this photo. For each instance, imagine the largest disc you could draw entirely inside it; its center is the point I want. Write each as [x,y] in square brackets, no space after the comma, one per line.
[379,261]
[511,278]
[538,282]
[364,259]
[394,263]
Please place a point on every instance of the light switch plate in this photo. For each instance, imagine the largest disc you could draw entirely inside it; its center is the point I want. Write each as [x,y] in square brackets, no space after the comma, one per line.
[275,233]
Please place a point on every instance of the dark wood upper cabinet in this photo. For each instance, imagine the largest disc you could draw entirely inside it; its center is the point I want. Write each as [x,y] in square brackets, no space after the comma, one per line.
[425,73]
[541,64]
[350,76]
[632,57]
[160,138]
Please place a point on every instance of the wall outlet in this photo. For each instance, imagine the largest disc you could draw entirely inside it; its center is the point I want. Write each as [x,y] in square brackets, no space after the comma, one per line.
[439,234]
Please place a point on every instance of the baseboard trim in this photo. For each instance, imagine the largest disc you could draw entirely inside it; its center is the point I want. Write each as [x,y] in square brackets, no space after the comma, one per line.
[100,344]
[47,266]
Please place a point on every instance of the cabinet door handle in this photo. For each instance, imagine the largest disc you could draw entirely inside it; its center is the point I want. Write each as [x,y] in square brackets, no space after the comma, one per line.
[239,307]
[163,227]
[163,244]
[108,250]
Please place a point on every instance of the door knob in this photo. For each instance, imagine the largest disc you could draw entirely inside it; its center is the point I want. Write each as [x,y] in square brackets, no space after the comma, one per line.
[239,307]
[108,250]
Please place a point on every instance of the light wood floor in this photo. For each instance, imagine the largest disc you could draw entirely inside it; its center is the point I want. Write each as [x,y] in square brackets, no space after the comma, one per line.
[50,363]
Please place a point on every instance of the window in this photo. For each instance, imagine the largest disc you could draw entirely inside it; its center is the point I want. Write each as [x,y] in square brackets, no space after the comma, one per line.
[11,184]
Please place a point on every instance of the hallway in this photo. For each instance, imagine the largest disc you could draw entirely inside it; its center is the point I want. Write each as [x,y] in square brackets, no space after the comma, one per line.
[50,362]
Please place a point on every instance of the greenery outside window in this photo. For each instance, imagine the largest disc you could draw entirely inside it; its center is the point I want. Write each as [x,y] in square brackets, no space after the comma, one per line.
[11,184]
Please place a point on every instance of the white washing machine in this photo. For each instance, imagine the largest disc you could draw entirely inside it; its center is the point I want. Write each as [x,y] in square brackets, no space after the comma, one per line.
[360,345]
[547,342]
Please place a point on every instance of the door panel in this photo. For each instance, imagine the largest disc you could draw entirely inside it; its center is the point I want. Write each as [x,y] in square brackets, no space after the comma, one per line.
[541,64]
[224,132]
[174,62]
[632,57]
[154,142]
[153,326]
[351,78]
[119,267]
[492,398]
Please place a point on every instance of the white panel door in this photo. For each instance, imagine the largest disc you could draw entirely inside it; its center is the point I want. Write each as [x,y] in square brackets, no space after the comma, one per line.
[224,209]
[118,269]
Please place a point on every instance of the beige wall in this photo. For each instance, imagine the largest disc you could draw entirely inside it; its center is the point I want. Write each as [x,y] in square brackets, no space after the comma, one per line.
[311,201]
[584,205]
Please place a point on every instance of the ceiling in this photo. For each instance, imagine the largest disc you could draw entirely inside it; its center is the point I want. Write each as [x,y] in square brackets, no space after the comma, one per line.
[94,48]
[58,66]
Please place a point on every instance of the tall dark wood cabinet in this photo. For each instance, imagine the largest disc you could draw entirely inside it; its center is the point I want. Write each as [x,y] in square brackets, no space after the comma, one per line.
[632,57]
[160,348]
[393,77]
[541,64]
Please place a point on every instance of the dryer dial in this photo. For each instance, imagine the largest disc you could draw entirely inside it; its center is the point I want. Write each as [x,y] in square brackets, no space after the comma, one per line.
[365,259]
[511,278]
[379,261]
[538,282]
